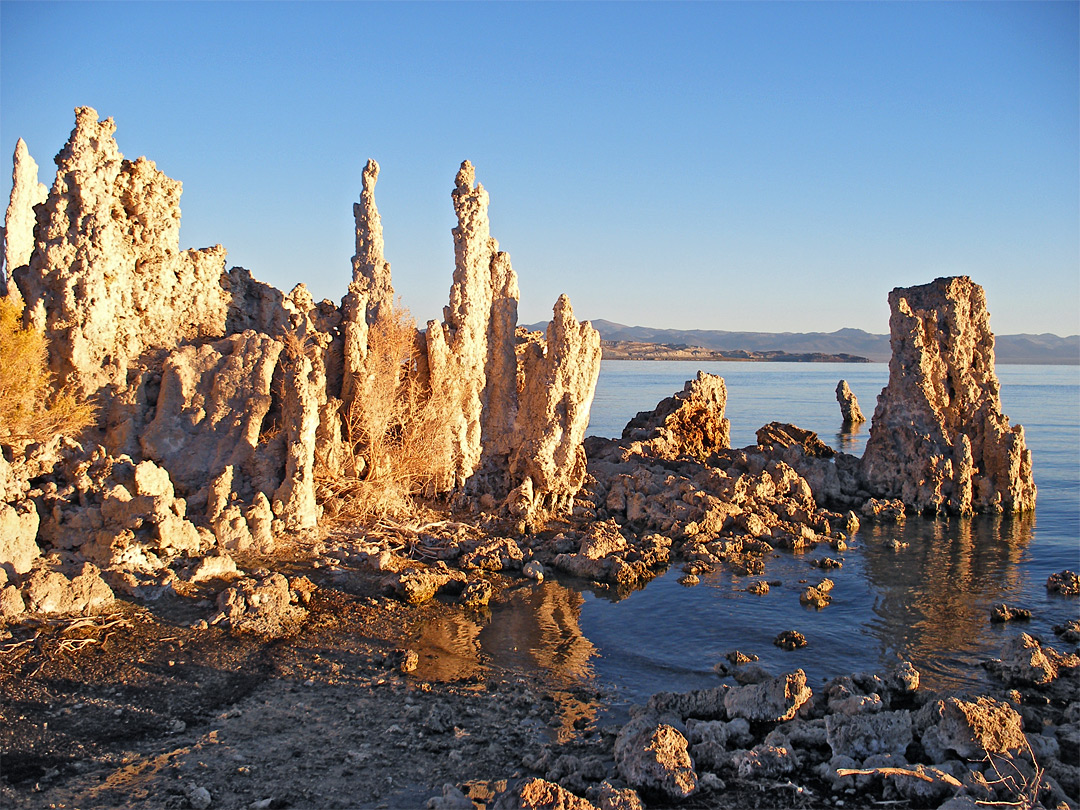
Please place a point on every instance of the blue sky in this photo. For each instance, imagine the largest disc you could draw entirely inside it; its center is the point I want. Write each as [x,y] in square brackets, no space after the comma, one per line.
[739,166]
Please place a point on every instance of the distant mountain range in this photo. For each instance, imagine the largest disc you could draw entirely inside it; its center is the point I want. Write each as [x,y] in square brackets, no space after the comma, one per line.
[1017,349]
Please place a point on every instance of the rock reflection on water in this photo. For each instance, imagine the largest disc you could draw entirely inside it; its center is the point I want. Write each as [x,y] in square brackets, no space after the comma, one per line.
[933,598]
[849,439]
[536,629]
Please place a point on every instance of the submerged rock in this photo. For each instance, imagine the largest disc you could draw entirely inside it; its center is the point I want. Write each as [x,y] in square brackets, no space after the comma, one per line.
[939,441]
[790,640]
[1003,613]
[1066,583]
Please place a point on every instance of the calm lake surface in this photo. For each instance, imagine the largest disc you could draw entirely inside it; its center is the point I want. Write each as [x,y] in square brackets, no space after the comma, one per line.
[929,604]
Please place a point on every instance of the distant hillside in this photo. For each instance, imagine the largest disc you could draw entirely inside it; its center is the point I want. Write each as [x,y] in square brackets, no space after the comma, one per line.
[1033,349]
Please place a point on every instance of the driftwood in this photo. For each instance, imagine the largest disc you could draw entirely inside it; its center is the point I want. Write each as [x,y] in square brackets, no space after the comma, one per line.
[944,777]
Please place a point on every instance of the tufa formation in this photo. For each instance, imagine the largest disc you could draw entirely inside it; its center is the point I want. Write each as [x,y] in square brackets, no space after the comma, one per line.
[939,441]
[849,405]
[224,402]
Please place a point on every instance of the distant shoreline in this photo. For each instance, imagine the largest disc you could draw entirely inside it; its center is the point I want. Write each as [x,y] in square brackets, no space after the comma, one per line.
[707,344]
[639,350]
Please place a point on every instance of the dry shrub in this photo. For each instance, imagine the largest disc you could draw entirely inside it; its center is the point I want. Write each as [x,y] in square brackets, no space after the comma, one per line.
[394,433]
[30,407]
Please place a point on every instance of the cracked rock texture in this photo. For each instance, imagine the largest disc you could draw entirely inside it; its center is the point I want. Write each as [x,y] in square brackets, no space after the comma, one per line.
[559,380]
[690,423]
[520,402]
[939,441]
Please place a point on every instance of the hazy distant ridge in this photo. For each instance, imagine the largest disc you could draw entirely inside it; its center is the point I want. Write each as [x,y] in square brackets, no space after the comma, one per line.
[1036,349]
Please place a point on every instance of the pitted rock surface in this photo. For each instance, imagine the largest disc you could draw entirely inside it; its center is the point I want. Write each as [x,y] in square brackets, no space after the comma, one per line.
[939,441]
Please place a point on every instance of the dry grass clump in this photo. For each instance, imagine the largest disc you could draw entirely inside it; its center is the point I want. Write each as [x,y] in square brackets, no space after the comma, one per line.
[395,443]
[30,407]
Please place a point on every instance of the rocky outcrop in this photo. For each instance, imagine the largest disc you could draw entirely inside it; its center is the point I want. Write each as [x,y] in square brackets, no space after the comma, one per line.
[653,758]
[224,395]
[849,405]
[939,441]
[211,407]
[690,423]
[18,238]
[107,280]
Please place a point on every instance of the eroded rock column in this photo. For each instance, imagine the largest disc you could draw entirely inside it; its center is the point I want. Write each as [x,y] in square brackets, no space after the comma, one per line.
[939,441]
[558,383]
[477,337]
[849,405]
[26,192]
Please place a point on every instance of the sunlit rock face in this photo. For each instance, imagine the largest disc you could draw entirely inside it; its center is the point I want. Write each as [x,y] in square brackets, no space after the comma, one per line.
[107,279]
[520,401]
[26,192]
[939,441]
[849,405]
[477,339]
[690,423]
[558,380]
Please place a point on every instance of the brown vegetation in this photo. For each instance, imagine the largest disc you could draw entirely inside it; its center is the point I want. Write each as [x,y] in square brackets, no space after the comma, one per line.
[31,408]
[395,436]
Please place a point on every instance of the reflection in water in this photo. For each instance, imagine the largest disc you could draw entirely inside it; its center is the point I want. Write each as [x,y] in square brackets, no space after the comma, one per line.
[449,647]
[536,629]
[933,598]
[847,440]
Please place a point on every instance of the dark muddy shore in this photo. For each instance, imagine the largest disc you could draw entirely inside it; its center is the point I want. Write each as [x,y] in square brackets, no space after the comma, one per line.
[147,707]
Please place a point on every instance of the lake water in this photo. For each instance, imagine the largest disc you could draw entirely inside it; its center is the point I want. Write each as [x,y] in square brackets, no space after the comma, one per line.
[929,603]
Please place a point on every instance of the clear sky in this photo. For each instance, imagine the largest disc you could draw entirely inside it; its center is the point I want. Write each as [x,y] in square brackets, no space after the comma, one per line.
[738,166]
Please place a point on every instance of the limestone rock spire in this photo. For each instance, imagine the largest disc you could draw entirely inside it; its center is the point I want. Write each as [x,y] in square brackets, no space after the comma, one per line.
[559,379]
[26,192]
[477,339]
[849,404]
[370,268]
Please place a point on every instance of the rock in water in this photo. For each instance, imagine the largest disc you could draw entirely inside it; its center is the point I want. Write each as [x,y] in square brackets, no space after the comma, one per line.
[849,405]
[689,423]
[939,441]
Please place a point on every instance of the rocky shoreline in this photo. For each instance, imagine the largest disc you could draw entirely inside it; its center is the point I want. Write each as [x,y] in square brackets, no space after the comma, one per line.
[351,692]
[258,576]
